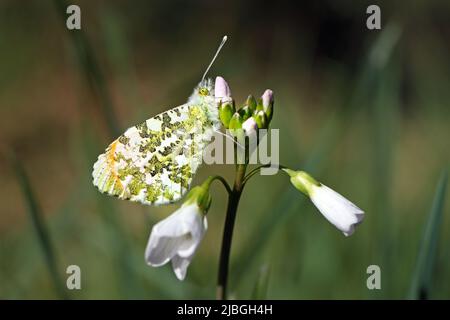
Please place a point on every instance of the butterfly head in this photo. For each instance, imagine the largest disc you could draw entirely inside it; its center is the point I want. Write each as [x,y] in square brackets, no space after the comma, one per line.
[217,91]
[205,88]
[211,95]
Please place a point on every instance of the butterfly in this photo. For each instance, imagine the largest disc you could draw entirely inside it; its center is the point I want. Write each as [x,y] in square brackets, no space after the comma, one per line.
[154,162]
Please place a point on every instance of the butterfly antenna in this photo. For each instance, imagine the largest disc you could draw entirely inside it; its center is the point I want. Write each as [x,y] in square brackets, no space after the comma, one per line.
[215,56]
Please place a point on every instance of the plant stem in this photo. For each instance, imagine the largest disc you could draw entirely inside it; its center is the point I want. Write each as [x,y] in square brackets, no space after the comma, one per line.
[257,169]
[222,180]
[233,202]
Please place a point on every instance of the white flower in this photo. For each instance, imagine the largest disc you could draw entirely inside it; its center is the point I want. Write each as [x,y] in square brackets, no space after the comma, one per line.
[335,208]
[177,238]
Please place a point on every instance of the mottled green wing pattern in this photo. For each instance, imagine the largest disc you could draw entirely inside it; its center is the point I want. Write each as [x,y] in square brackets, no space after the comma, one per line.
[154,162]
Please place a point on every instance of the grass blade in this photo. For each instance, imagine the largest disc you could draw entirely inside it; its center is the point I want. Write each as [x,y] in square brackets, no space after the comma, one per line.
[91,70]
[37,220]
[422,278]
[262,283]
[289,201]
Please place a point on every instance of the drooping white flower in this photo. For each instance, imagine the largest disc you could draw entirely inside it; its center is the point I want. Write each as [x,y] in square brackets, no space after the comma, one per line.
[335,208]
[176,238]
[342,213]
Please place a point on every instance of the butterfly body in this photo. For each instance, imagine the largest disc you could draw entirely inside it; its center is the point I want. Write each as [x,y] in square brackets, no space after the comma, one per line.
[154,162]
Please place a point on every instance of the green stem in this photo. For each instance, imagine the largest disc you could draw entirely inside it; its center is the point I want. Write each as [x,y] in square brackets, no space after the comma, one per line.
[233,202]
[257,169]
[221,179]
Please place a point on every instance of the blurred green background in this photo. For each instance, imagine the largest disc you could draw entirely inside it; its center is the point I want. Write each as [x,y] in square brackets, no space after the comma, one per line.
[366,112]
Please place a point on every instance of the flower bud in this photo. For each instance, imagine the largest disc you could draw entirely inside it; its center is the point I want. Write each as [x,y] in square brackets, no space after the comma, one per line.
[261,119]
[267,103]
[250,127]
[235,126]
[235,122]
[259,106]
[222,90]
[251,103]
[226,111]
[245,112]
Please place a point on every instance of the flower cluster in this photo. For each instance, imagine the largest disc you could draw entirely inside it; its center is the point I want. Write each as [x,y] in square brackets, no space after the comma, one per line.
[250,117]
[177,237]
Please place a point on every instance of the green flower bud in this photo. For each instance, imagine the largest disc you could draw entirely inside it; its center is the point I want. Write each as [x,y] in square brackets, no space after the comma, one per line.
[235,122]
[235,126]
[245,112]
[226,111]
[259,106]
[261,119]
[251,103]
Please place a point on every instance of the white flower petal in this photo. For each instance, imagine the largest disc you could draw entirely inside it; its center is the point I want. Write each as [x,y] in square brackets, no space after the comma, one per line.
[335,208]
[180,266]
[176,237]
[173,225]
[160,250]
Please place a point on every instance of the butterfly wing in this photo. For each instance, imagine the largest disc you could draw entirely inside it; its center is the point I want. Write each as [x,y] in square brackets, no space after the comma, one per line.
[154,162]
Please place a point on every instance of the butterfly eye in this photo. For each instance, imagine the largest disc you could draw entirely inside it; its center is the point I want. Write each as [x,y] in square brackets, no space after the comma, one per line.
[203,91]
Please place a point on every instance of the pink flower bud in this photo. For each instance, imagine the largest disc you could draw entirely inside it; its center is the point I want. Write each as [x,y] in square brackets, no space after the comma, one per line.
[267,98]
[249,126]
[222,90]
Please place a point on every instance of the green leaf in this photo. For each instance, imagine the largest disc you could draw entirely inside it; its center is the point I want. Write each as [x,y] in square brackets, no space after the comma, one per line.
[422,278]
[262,283]
[91,70]
[39,226]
